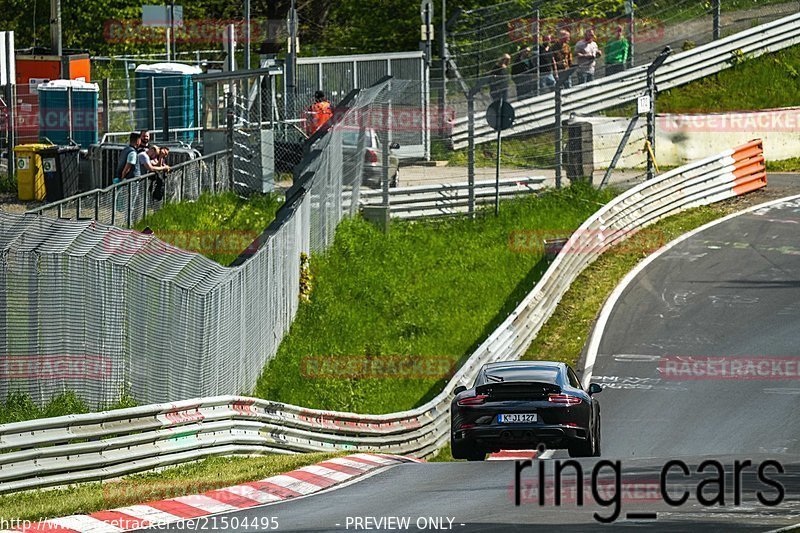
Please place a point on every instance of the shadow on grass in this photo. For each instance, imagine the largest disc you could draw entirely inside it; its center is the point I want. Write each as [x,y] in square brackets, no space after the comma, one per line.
[517,295]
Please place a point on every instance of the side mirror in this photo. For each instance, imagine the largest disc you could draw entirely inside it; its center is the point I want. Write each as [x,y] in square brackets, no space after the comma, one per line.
[594,388]
[394,146]
[459,389]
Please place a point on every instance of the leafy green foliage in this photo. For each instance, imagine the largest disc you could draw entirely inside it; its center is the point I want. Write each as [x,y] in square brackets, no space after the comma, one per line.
[18,407]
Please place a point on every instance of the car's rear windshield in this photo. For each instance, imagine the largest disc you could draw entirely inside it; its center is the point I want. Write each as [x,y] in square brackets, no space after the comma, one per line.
[546,374]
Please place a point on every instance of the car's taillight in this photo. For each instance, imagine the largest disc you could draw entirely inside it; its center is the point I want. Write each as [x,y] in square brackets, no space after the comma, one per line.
[370,156]
[564,399]
[473,400]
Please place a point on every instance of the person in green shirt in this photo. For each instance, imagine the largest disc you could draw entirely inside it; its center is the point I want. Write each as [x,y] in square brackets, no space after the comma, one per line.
[616,53]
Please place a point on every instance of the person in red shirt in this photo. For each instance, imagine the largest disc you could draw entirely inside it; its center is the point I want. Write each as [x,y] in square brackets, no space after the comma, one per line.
[318,114]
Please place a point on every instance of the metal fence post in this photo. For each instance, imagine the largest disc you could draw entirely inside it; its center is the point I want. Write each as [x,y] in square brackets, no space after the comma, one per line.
[114,206]
[651,113]
[537,57]
[97,206]
[130,204]
[558,143]
[716,8]
[106,105]
[69,114]
[629,9]
[229,125]
[214,183]
[471,154]
[144,200]
[164,115]
[151,103]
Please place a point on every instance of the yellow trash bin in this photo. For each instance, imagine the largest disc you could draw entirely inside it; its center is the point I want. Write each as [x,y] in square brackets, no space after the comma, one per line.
[30,175]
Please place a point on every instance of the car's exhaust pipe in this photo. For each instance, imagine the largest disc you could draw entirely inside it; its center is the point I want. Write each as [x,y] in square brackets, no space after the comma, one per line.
[505,435]
[528,435]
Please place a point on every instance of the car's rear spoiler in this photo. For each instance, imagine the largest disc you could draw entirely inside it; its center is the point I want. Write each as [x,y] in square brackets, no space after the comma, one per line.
[518,386]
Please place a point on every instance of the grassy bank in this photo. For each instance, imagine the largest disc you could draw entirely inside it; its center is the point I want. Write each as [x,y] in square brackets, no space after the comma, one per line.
[217,226]
[18,407]
[195,478]
[423,296]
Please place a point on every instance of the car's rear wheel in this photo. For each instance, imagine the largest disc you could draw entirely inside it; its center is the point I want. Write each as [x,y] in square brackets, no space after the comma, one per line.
[466,450]
[582,448]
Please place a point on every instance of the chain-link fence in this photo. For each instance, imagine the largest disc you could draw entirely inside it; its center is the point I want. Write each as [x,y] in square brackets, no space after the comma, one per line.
[540,38]
[100,310]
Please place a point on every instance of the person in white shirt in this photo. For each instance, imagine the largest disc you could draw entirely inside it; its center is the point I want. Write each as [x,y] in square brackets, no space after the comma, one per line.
[150,161]
[586,54]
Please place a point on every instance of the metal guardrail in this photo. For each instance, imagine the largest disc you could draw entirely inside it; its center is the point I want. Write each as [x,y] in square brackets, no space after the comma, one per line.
[447,199]
[537,113]
[77,448]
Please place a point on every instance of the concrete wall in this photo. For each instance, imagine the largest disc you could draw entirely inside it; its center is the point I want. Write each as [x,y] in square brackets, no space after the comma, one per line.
[683,138]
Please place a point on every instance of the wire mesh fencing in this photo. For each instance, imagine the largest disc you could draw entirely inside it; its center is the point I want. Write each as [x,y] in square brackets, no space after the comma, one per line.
[126,203]
[102,311]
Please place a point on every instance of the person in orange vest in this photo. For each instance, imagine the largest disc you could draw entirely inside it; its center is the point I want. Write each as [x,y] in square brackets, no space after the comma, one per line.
[318,114]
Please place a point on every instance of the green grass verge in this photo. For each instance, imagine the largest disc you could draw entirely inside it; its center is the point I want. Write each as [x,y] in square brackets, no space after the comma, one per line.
[431,291]
[784,165]
[194,478]
[217,226]
[766,82]
[19,407]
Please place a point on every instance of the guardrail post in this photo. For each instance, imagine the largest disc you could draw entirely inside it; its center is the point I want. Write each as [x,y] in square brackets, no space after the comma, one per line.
[716,8]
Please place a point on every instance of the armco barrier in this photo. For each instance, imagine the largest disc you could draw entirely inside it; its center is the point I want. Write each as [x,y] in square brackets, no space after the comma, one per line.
[76,448]
[611,91]
[445,199]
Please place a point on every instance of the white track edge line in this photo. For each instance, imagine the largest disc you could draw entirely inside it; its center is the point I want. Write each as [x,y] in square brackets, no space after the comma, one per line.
[605,313]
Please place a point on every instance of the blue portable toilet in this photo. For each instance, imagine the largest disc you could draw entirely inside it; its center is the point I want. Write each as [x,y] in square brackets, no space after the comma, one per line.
[182,103]
[61,120]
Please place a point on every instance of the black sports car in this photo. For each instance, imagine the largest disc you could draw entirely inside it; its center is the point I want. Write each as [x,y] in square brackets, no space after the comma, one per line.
[521,404]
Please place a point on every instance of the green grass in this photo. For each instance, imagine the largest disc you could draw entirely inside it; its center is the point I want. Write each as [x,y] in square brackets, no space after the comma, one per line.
[766,82]
[217,226]
[194,478]
[431,290]
[19,407]
[784,165]
[529,151]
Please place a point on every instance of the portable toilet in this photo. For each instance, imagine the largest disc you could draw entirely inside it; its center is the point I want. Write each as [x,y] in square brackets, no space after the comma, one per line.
[68,111]
[181,92]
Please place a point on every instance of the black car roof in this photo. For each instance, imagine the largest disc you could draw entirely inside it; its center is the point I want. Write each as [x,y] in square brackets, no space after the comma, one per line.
[503,364]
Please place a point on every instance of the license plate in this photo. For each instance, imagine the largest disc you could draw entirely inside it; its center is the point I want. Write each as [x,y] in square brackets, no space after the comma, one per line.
[517,418]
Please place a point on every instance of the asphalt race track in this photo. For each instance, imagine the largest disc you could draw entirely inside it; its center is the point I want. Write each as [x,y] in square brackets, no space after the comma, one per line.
[730,293]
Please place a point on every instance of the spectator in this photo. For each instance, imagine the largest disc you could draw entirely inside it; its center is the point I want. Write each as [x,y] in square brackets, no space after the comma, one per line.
[499,78]
[318,114]
[586,53]
[617,51]
[151,160]
[563,57]
[547,63]
[523,73]
[144,135]
[128,166]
